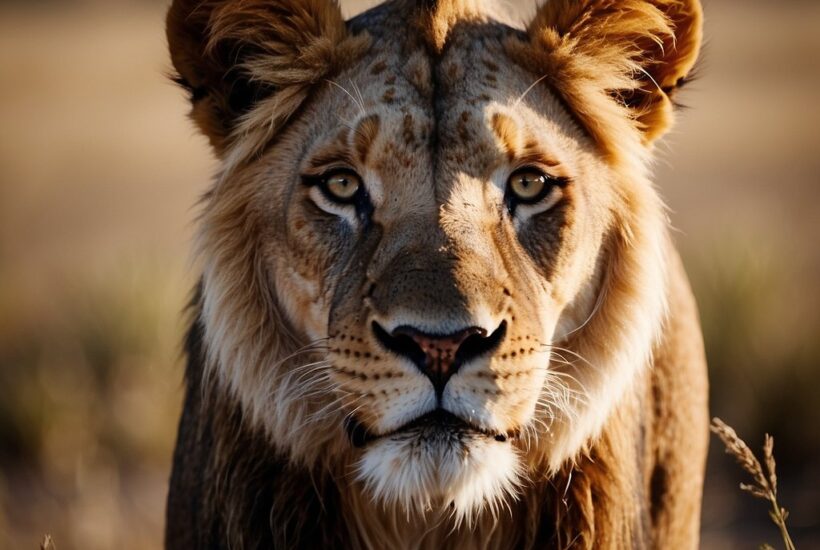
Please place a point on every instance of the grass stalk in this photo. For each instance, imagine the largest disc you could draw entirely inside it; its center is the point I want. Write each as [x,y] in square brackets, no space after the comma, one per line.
[764,484]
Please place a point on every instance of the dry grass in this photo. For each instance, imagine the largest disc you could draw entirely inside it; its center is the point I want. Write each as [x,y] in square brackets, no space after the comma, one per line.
[764,484]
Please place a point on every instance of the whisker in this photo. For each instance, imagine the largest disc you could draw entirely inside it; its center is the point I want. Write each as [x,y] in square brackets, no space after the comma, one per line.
[528,90]
[359,94]
[342,88]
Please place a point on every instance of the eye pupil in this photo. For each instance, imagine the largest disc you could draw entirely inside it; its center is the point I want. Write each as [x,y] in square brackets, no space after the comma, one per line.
[342,186]
[527,185]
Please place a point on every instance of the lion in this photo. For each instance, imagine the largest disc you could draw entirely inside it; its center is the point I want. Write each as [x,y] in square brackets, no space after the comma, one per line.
[439,303]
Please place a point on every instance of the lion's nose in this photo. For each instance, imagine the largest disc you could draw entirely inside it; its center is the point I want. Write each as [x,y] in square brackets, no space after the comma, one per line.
[439,356]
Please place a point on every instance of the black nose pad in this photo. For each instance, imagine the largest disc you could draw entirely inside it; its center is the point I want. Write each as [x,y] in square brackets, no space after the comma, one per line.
[439,356]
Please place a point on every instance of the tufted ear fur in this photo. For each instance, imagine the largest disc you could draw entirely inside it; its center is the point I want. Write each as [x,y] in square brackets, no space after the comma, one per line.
[615,61]
[439,16]
[236,55]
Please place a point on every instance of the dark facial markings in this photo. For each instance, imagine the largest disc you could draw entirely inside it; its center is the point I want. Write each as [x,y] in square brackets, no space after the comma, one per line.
[345,187]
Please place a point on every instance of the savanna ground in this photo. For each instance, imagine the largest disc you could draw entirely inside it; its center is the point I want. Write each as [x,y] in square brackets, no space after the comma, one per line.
[99,174]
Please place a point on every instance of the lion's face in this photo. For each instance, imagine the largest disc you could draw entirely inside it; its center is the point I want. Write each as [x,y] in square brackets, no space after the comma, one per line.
[437,253]
[408,283]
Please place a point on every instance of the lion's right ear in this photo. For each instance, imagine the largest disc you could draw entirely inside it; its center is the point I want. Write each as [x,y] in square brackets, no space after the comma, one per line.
[233,56]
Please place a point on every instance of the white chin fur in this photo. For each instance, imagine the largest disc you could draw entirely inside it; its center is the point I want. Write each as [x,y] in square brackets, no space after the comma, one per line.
[418,473]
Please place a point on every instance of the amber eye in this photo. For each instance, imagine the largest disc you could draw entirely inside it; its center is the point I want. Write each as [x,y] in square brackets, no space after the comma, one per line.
[342,185]
[528,185]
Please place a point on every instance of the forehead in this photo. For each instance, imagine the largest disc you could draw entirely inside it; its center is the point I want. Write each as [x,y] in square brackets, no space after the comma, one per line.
[438,112]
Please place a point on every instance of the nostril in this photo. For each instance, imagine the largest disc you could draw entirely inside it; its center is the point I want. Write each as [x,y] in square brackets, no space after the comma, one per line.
[400,344]
[439,356]
[478,344]
[440,349]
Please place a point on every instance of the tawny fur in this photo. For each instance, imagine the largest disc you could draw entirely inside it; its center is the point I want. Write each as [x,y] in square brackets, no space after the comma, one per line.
[599,377]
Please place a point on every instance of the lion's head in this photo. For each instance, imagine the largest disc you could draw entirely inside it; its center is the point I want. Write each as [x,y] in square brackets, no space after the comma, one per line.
[432,261]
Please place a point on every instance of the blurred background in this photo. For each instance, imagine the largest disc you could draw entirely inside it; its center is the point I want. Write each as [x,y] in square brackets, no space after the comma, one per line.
[99,174]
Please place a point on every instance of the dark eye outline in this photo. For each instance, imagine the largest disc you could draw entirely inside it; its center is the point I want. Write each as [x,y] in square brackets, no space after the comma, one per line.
[512,200]
[323,183]
[360,199]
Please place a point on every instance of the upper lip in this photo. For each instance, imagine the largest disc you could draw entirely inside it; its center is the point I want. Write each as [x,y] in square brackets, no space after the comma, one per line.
[361,436]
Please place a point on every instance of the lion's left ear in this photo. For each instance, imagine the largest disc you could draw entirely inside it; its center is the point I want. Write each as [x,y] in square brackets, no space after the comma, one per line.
[633,53]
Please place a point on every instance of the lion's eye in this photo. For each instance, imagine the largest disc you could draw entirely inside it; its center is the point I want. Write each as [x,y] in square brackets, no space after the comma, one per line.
[341,186]
[528,185]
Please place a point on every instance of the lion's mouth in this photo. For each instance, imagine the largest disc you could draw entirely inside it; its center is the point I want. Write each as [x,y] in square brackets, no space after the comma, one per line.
[437,424]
